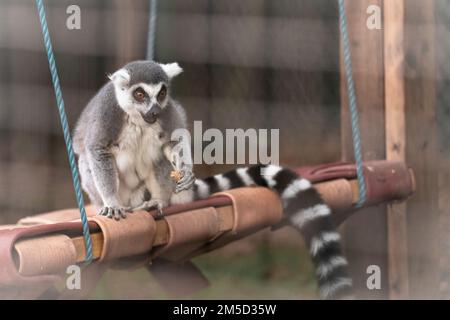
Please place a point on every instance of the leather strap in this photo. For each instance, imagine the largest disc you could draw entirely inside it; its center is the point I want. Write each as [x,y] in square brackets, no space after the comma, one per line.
[254,209]
[58,250]
[127,237]
[189,231]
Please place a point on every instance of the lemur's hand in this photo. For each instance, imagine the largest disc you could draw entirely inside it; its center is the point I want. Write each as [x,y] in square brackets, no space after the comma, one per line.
[179,154]
[186,181]
[114,212]
[181,163]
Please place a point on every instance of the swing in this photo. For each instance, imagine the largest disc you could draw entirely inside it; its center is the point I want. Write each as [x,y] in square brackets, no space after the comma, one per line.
[38,249]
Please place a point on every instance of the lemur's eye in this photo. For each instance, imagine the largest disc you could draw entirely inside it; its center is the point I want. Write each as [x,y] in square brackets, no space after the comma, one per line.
[162,94]
[139,94]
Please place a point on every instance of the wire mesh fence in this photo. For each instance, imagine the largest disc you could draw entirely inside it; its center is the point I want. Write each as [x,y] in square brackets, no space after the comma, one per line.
[247,64]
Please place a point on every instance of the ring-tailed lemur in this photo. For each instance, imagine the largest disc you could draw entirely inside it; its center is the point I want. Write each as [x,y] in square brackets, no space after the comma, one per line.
[126,156]
[123,142]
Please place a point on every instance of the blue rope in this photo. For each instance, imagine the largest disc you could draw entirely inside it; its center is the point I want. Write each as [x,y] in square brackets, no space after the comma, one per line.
[151,30]
[353,107]
[65,127]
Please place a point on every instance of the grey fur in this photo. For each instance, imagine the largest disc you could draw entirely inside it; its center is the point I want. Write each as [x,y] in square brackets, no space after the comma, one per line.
[111,141]
[146,72]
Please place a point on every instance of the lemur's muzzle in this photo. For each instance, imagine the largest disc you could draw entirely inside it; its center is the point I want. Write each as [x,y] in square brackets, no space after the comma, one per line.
[152,115]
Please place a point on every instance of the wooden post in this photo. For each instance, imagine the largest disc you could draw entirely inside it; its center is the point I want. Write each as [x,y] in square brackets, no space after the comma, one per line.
[403,101]
[421,147]
[394,58]
[131,30]
[365,234]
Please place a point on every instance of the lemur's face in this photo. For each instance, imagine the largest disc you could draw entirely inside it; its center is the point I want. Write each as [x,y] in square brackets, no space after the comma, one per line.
[147,98]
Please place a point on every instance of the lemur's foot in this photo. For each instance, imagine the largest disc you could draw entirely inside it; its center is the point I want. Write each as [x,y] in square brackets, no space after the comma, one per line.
[114,212]
[186,181]
[150,205]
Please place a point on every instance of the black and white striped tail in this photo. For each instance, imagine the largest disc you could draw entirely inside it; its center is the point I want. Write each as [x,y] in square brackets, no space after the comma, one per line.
[304,209]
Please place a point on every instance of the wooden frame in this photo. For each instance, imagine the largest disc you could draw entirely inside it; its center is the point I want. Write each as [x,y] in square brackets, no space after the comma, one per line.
[394,59]
[398,95]
[162,229]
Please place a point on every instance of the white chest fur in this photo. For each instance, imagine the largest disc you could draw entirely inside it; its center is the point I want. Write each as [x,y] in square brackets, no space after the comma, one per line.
[139,146]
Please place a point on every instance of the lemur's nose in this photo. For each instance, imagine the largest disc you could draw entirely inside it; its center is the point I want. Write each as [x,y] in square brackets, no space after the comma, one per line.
[152,114]
[155,109]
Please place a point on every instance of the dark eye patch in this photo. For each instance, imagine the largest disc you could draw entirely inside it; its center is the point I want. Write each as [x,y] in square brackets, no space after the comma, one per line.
[162,93]
[139,94]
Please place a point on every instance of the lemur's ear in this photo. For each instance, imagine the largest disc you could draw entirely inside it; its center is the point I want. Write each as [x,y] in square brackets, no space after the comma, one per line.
[120,78]
[171,69]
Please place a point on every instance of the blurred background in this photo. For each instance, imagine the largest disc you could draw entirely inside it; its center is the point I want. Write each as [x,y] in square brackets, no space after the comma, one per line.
[247,64]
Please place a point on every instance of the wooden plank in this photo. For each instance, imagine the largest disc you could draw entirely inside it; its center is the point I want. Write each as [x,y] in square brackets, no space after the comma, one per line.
[226,218]
[394,58]
[421,147]
[339,194]
[161,238]
[365,234]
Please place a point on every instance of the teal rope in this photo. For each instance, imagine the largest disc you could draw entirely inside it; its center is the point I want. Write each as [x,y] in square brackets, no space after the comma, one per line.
[353,107]
[151,30]
[65,127]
